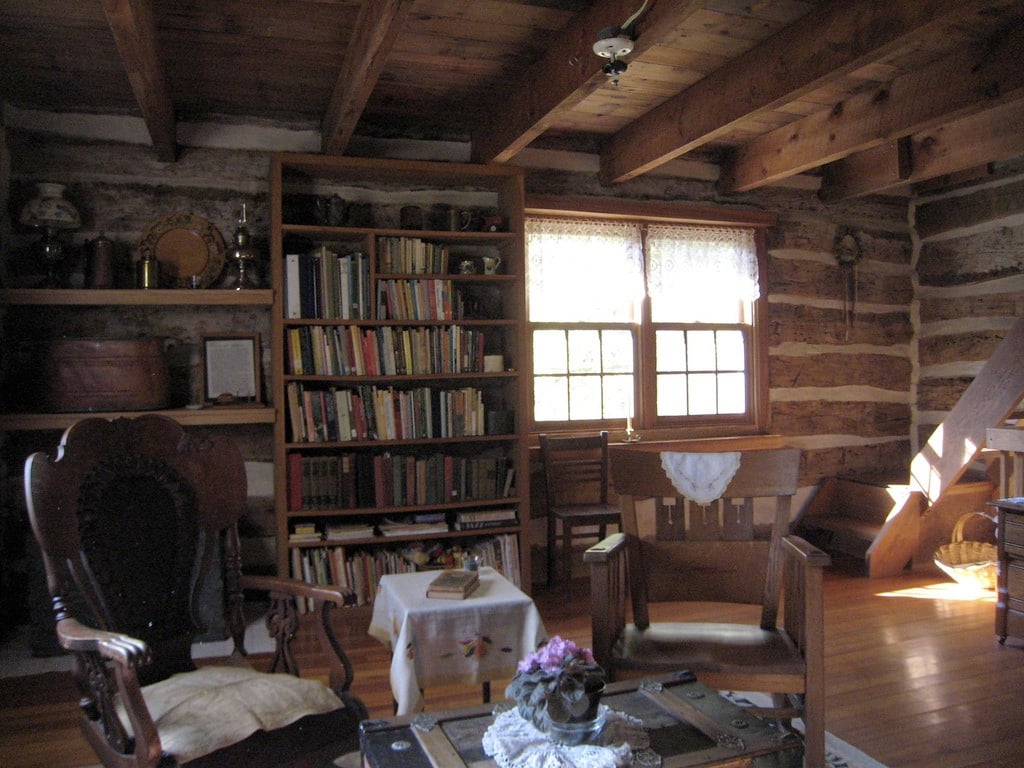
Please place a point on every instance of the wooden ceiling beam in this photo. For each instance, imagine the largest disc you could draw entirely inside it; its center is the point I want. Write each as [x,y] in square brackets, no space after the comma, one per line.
[821,47]
[566,74]
[134,30]
[373,36]
[963,145]
[922,100]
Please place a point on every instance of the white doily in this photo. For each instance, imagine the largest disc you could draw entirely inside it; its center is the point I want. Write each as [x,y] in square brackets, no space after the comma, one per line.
[515,743]
[700,477]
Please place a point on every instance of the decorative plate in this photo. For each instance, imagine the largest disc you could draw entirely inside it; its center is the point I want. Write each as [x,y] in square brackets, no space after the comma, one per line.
[184,245]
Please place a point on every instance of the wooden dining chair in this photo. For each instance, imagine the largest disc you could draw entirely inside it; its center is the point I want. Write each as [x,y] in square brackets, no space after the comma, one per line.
[136,519]
[576,485]
[705,568]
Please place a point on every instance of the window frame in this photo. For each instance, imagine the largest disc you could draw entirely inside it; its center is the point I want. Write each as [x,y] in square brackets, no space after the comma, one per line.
[645,419]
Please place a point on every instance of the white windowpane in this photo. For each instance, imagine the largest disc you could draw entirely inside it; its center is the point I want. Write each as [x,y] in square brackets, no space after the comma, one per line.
[549,352]
[617,351]
[583,271]
[671,350]
[701,273]
[731,355]
[671,394]
[700,352]
[584,397]
[584,352]
[703,394]
[732,396]
[551,398]
[618,397]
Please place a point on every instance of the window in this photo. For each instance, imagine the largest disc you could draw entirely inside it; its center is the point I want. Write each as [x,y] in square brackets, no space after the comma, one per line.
[651,321]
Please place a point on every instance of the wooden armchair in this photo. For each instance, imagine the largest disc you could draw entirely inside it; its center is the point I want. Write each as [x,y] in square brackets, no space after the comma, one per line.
[692,559]
[134,518]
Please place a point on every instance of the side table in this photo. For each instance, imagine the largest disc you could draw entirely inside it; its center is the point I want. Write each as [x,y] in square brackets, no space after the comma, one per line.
[436,641]
[1010,583]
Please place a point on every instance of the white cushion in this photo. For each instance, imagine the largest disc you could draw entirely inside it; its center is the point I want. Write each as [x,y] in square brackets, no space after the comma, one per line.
[199,712]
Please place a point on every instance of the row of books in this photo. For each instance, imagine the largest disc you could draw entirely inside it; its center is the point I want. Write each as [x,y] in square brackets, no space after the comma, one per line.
[317,350]
[322,284]
[422,524]
[318,415]
[365,480]
[360,569]
[419,300]
[411,256]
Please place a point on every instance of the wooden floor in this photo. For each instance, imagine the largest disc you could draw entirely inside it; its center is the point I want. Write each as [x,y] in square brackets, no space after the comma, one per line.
[915,678]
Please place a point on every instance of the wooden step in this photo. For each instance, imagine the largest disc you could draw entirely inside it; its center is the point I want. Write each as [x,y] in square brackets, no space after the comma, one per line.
[872,520]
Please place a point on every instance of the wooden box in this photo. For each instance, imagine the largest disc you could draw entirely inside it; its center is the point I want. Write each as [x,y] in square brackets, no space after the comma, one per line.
[688,724]
[104,375]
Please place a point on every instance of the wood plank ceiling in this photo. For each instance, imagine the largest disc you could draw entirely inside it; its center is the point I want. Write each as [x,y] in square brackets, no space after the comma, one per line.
[870,96]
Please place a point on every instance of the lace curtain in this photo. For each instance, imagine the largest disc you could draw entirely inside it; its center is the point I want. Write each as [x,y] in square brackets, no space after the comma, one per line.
[584,270]
[700,272]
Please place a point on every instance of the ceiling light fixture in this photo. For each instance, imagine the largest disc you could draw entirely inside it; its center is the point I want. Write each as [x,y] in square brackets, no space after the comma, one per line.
[615,42]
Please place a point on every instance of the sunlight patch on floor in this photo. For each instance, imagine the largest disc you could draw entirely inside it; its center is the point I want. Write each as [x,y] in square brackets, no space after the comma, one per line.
[944,591]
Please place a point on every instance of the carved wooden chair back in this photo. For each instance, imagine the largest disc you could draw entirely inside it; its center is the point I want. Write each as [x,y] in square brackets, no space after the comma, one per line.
[130,519]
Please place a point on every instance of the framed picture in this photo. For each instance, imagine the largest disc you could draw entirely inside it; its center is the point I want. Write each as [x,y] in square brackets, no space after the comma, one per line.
[231,369]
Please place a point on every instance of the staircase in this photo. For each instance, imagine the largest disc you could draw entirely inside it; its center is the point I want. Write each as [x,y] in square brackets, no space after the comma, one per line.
[882,522]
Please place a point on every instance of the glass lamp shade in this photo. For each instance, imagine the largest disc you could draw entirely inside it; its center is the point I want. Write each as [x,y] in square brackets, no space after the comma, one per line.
[52,212]
[50,209]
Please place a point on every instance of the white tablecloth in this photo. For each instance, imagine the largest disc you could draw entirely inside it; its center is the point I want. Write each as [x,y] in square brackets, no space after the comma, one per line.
[435,641]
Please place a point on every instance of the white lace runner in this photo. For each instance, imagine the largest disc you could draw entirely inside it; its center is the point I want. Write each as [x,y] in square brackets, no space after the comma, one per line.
[515,743]
[700,477]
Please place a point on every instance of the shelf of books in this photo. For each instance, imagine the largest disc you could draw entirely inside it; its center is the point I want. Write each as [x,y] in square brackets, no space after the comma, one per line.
[398,355]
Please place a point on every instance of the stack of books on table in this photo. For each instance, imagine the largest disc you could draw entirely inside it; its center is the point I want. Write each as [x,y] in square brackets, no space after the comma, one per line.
[453,584]
[484,518]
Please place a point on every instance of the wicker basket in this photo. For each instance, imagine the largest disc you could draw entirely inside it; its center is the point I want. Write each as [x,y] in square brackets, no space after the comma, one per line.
[972,563]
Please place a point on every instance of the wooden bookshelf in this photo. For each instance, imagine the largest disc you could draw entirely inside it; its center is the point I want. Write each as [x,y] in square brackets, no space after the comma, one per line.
[379,339]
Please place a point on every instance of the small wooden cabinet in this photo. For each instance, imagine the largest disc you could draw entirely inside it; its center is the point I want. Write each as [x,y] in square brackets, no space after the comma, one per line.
[1010,596]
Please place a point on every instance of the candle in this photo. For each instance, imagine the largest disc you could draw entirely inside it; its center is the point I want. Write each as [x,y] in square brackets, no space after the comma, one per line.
[629,424]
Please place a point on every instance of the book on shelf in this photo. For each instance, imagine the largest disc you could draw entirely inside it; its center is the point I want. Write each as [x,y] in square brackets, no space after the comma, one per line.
[453,584]
[390,528]
[490,518]
[303,532]
[348,531]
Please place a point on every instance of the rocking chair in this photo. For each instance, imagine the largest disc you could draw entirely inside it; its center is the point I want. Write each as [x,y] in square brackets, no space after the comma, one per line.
[132,517]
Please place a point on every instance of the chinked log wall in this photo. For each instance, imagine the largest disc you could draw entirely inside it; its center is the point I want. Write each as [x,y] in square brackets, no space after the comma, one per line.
[970,271]
[845,400]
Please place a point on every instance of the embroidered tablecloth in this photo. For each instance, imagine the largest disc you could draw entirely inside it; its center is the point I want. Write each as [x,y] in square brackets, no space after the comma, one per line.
[436,641]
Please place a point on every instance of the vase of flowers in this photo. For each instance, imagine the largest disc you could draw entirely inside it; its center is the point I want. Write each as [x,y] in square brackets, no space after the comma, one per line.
[558,689]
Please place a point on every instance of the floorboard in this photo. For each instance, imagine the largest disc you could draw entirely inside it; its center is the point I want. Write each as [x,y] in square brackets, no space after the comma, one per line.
[914,677]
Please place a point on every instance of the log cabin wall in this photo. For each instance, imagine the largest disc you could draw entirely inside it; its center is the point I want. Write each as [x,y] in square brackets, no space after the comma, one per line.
[969,256]
[840,391]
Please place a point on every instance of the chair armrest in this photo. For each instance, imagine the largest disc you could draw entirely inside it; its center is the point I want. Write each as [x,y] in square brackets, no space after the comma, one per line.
[113,646]
[283,622]
[798,546]
[609,547]
[299,589]
[608,590]
[93,647]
